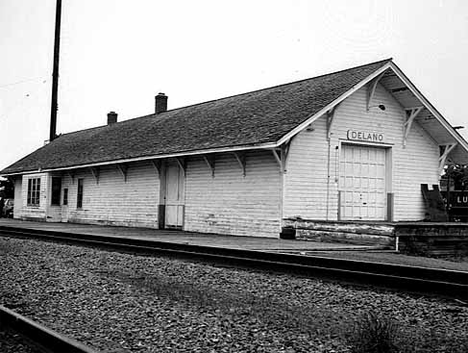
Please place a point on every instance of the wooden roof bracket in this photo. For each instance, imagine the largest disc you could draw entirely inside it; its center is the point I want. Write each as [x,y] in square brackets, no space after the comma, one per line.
[277,157]
[443,158]
[330,119]
[95,173]
[280,156]
[210,161]
[157,165]
[123,170]
[285,149]
[71,176]
[411,113]
[182,164]
[240,157]
[371,87]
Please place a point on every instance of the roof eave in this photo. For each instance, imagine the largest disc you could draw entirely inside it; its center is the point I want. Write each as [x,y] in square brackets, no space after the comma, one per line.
[405,80]
[458,138]
[262,146]
[333,104]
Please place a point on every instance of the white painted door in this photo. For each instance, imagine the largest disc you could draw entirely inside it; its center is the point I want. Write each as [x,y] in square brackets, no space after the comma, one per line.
[175,198]
[363,193]
[64,203]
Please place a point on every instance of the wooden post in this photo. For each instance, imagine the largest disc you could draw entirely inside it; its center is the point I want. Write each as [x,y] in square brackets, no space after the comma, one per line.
[55,72]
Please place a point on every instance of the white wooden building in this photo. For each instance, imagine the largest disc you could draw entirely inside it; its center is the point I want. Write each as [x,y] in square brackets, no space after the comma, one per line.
[351,145]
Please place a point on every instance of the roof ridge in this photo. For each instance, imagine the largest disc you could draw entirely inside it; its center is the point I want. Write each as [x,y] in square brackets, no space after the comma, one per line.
[104,126]
[231,96]
[275,86]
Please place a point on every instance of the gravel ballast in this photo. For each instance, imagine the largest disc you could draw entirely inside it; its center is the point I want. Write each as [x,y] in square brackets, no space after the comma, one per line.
[118,302]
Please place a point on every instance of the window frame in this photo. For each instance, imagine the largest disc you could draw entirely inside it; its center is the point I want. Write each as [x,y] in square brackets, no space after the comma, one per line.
[33,196]
[56,191]
[79,193]
[65,197]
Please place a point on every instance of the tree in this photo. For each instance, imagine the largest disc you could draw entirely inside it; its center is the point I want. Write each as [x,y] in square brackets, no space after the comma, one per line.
[6,189]
[458,175]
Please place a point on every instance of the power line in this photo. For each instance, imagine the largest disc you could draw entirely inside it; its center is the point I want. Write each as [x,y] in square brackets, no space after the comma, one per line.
[24,81]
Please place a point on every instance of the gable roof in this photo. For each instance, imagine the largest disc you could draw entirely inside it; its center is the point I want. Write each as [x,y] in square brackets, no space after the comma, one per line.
[250,119]
[260,119]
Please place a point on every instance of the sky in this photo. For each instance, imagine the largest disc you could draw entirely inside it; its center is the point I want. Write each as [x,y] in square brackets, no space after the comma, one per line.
[118,54]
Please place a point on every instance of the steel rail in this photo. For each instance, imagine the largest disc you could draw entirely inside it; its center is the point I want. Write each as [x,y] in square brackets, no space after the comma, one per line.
[44,338]
[427,281]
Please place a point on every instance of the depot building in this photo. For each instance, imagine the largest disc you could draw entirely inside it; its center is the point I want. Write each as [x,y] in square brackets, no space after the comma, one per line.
[353,145]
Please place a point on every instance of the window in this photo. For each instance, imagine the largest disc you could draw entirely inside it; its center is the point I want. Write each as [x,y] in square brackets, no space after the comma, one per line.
[34,191]
[65,196]
[56,188]
[79,197]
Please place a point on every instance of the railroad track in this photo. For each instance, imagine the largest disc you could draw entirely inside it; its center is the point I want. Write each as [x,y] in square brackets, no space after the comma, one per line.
[39,336]
[426,281]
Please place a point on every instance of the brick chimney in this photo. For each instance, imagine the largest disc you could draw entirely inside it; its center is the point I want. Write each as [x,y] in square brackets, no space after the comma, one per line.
[111,118]
[160,103]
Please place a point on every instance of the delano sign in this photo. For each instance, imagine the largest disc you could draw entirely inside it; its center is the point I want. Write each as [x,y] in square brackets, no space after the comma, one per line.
[364,136]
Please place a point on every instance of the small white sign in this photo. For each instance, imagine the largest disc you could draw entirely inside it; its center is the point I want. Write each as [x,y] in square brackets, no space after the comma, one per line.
[365,136]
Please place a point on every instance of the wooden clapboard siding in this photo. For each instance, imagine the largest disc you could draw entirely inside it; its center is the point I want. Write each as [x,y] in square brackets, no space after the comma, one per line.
[411,166]
[306,178]
[113,201]
[34,212]
[230,203]
[17,208]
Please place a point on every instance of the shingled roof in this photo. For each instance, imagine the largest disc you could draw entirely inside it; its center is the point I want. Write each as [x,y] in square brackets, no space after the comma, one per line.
[249,119]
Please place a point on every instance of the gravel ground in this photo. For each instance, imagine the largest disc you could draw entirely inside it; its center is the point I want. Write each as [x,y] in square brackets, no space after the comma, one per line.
[13,343]
[118,302]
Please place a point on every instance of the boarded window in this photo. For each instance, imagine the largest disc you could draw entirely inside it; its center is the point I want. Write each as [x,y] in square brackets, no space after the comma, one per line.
[34,192]
[56,189]
[79,196]
[65,196]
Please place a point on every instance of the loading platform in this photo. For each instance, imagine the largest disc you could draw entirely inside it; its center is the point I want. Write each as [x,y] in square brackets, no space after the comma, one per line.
[189,238]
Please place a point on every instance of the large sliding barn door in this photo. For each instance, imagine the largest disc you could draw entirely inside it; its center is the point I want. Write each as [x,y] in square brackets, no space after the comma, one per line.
[363,194]
[174,196]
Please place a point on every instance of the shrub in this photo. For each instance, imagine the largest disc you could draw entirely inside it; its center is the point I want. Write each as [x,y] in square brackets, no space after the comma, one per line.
[373,334]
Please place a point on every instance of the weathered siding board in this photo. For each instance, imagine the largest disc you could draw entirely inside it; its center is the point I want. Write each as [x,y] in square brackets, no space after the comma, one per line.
[306,175]
[306,179]
[114,201]
[379,234]
[413,166]
[230,203]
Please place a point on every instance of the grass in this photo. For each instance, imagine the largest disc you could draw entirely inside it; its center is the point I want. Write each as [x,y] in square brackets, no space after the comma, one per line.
[374,334]
[263,308]
[7,247]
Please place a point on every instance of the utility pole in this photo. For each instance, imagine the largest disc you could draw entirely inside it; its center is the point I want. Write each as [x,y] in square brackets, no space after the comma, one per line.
[55,72]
